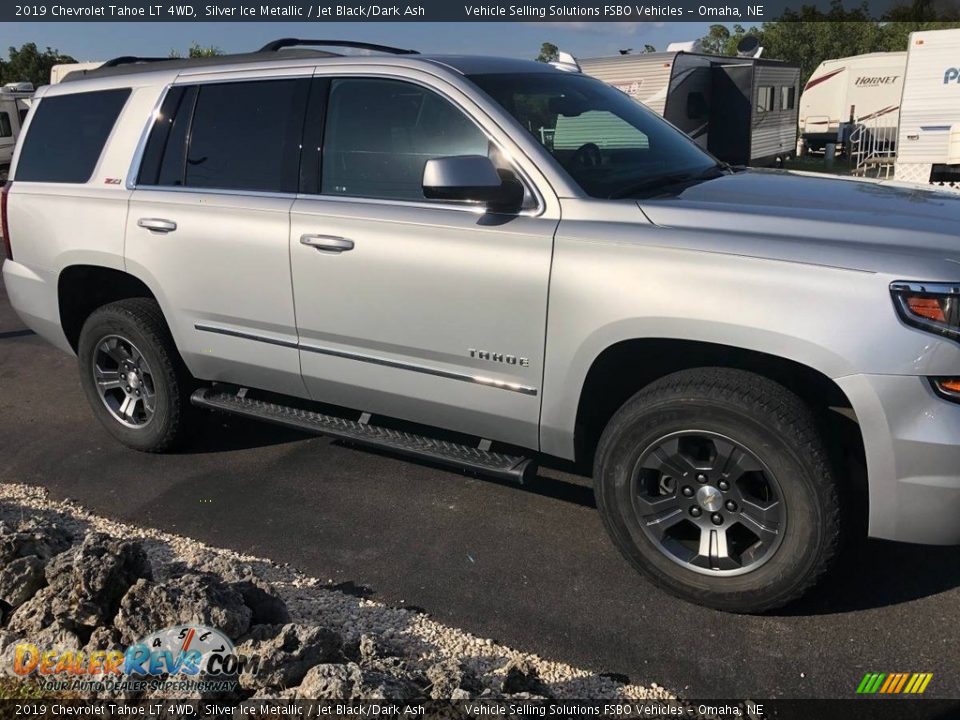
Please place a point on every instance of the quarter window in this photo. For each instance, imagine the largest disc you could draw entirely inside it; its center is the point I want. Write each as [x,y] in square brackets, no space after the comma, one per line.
[67,135]
[380,134]
[6,130]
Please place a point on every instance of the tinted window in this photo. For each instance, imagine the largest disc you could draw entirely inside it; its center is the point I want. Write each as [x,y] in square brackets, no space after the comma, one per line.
[23,115]
[163,157]
[610,144]
[67,135]
[245,136]
[380,134]
[6,130]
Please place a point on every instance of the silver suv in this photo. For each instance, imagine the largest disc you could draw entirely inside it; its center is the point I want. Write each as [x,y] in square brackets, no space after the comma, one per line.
[486,263]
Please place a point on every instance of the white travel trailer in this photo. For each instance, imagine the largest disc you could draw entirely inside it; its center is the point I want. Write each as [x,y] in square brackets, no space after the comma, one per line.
[741,109]
[58,72]
[928,149]
[860,88]
[14,105]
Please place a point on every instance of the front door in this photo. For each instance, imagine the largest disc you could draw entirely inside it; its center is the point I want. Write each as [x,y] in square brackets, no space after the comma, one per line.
[430,312]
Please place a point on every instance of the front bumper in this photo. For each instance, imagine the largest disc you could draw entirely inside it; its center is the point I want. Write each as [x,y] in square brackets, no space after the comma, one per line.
[912,442]
[33,296]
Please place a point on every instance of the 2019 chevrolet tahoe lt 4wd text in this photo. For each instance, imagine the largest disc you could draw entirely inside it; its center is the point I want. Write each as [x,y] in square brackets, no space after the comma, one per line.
[487,262]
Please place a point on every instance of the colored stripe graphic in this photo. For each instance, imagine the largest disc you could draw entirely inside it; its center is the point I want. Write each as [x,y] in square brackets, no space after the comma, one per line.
[816,81]
[894,683]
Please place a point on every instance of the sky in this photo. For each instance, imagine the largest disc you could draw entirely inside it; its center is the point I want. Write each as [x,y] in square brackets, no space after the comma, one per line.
[101,41]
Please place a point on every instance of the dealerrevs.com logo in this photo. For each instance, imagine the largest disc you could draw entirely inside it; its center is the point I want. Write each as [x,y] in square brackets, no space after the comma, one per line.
[182,658]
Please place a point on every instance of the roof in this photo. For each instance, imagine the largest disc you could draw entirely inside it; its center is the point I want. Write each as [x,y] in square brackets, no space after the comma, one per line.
[464,64]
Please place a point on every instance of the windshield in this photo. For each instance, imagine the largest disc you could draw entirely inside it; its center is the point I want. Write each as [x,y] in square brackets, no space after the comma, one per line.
[611,145]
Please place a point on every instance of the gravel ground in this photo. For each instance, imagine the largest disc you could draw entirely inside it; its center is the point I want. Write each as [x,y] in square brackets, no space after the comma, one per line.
[311,600]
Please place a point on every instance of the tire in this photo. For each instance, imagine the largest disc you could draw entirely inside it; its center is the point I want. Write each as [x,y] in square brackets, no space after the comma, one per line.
[739,438]
[131,336]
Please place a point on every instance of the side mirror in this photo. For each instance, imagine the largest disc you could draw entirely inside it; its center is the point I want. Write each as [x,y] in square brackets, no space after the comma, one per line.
[472,178]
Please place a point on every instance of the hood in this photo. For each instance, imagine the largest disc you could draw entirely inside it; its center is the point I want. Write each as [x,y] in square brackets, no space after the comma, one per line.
[805,217]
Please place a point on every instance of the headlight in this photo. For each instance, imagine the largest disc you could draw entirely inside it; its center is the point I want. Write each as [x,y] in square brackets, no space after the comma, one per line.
[934,307]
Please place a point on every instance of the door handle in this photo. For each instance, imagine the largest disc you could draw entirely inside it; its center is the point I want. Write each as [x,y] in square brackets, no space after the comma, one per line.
[327,243]
[158,225]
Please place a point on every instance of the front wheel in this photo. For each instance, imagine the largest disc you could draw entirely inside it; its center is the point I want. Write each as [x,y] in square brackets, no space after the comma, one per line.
[133,376]
[715,483]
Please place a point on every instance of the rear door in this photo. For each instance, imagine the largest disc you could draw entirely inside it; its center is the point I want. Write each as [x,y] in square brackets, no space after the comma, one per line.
[208,224]
[435,312]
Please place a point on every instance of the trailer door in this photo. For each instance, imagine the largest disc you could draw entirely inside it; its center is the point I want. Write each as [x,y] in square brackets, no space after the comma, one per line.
[730,113]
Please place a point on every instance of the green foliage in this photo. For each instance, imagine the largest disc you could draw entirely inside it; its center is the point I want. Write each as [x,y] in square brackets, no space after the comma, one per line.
[808,36]
[197,51]
[548,53]
[29,64]
[15,688]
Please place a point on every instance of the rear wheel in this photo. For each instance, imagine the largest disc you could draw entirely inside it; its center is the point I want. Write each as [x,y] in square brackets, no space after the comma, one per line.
[133,376]
[715,483]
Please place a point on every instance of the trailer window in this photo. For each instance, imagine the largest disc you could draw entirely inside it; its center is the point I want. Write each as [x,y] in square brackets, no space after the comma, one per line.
[6,130]
[788,98]
[765,97]
[67,135]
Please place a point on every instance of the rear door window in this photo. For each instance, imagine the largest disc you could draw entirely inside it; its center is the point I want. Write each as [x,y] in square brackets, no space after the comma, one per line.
[6,129]
[229,136]
[67,136]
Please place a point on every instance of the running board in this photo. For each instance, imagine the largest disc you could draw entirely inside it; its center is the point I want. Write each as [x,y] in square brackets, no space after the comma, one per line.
[461,457]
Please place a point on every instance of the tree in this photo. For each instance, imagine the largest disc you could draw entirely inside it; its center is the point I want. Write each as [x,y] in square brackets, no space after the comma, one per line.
[715,41]
[29,64]
[196,51]
[548,53]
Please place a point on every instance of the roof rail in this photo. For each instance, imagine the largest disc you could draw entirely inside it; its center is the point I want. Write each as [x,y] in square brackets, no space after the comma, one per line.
[131,60]
[295,42]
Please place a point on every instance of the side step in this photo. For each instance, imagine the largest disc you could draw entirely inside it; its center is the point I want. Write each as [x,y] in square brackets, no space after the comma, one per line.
[458,456]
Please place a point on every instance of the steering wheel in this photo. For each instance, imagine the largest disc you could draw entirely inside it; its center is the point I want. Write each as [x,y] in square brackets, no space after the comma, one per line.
[587,156]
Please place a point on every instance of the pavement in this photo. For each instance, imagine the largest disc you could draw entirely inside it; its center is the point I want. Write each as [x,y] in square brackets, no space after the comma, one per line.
[528,567]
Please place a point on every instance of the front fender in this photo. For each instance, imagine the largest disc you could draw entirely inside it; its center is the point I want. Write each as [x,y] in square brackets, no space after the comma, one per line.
[838,322]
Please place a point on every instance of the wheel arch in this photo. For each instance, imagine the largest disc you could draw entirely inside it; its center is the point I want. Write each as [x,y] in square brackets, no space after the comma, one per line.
[82,288]
[624,368]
